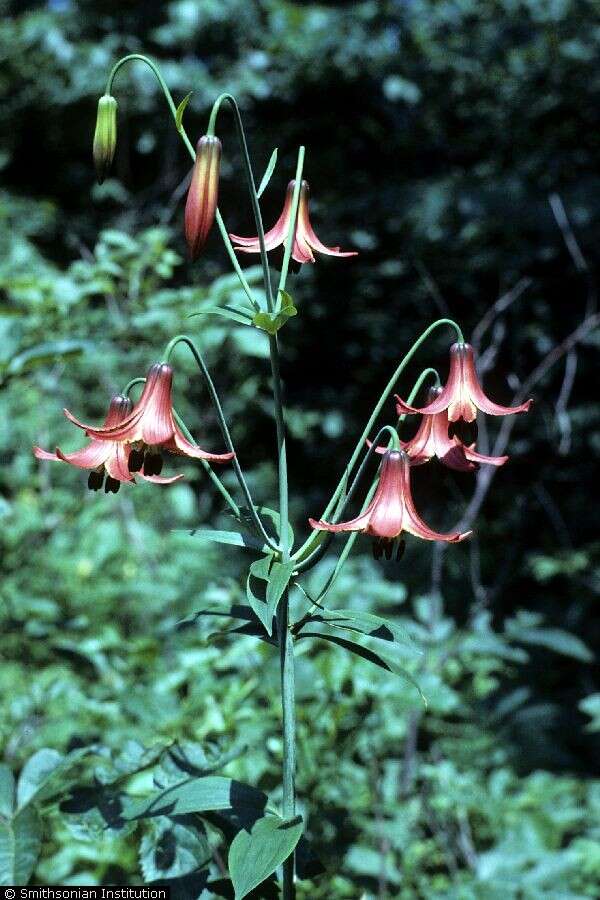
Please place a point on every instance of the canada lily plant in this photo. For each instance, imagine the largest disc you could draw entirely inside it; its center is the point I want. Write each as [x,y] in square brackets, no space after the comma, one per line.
[129,444]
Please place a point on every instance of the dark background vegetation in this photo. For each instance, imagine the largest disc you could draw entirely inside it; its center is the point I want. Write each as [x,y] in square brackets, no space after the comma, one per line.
[456,145]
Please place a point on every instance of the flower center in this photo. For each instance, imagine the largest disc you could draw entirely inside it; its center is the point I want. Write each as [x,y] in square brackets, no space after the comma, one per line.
[385,547]
[147,458]
[466,432]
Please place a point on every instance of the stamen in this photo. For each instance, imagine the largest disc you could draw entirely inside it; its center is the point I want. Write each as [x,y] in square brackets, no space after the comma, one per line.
[136,460]
[95,479]
[153,464]
[400,550]
[388,549]
[466,432]
[112,485]
[377,549]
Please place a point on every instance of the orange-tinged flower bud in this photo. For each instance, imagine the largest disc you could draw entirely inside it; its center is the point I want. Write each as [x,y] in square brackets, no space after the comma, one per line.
[203,194]
[105,135]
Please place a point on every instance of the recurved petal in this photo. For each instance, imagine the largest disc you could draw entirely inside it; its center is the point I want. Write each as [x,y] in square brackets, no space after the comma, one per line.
[360,523]
[180,444]
[159,479]
[476,392]
[44,454]
[455,458]
[436,406]
[313,241]
[90,457]
[481,458]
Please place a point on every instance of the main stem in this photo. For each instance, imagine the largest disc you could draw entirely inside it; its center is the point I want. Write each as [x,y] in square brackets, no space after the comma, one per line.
[286,640]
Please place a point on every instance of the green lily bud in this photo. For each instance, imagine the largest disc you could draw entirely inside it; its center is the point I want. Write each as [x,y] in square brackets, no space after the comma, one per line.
[105,135]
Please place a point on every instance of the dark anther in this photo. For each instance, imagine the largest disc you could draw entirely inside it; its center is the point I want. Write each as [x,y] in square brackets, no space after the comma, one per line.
[465,431]
[136,460]
[388,549]
[95,480]
[112,485]
[153,464]
[377,549]
[400,550]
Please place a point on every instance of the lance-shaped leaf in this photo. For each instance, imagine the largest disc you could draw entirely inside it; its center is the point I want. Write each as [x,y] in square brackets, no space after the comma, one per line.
[233,538]
[268,172]
[366,653]
[241,315]
[180,111]
[255,855]
[371,626]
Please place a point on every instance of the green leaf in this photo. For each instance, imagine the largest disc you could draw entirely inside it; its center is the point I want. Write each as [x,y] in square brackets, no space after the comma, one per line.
[255,855]
[233,538]
[20,842]
[268,172]
[194,795]
[44,775]
[277,576]
[44,353]
[368,654]
[272,322]
[259,570]
[235,314]
[591,707]
[278,581]
[180,111]
[370,625]
[273,516]
[172,849]
[7,791]
[552,638]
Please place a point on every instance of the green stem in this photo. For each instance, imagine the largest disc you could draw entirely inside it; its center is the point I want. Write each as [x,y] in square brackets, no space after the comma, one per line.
[289,239]
[286,660]
[251,185]
[184,339]
[310,541]
[286,640]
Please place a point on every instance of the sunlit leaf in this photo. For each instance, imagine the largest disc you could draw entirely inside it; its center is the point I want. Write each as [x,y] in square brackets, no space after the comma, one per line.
[255,855]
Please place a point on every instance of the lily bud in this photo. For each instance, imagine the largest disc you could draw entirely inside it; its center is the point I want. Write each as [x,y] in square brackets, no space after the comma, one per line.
[202,196]
[105,135]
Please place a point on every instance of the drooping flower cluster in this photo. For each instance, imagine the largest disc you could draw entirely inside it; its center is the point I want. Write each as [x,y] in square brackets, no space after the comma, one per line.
[447,431]
[131,441]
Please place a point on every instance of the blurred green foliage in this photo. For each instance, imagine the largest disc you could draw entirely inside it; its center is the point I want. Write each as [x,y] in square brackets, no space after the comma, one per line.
[437,132]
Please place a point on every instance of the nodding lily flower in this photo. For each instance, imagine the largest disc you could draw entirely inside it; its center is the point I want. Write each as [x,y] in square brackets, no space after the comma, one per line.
[392,510]
[432,439]
[305,239]
[110,458]
[462,396]
[150,427]
[203,194]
